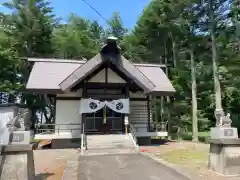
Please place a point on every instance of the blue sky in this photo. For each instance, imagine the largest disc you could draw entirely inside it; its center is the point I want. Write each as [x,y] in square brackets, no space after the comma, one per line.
[129,10]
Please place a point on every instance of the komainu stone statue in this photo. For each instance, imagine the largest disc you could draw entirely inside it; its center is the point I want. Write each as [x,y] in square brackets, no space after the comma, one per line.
[226,121]
[17,123]
[223,129]
[222,120]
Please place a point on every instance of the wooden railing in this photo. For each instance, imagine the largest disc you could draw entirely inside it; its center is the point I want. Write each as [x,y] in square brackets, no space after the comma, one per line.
[151,127]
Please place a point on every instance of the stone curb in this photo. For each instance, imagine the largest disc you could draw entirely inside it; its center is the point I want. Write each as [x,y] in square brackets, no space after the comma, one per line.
[169,165]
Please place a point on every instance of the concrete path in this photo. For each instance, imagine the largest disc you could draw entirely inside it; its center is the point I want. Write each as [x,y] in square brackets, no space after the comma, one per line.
[124,166]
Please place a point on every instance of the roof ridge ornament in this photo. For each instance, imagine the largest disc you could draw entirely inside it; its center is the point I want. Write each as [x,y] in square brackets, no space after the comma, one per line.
[110,46]
[112,38]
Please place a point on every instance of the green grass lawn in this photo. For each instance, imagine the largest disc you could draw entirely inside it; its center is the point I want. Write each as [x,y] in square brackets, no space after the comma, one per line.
[193,160]
[187,136]
[186,157]
[202,136]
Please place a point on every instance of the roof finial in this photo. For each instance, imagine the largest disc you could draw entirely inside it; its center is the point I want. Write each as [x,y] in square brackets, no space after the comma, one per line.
[112,38]
[111,46]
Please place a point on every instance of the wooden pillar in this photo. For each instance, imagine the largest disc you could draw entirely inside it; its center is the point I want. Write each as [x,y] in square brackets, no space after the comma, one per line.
[105,90]
[126,116]
[149,111]
[104,115]
[84,95]
[54,109]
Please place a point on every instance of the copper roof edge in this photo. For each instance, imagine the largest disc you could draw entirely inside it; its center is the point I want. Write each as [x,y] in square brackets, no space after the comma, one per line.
[83,61]
[56,60]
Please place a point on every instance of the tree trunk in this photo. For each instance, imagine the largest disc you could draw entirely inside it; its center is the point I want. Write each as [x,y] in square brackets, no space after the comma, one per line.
[168,99]
[162,102]
[217,87]
[48,110]
[48,115]
[162,109]
[194,99]
[174,49]
[179,136]
[236,16]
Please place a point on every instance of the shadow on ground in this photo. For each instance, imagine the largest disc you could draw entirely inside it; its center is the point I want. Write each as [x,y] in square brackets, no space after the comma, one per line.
[158,142]
[43,176]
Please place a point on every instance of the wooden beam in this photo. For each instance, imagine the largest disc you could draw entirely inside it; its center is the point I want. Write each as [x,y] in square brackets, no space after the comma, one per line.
[106,74]
[138,99]
[79,98]
[91,85]
[115,69]
[68,98]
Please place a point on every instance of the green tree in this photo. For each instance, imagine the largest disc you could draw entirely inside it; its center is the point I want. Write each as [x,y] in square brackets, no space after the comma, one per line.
[116,27]
[30,27]
[29,32]
[10,69]
[79,38]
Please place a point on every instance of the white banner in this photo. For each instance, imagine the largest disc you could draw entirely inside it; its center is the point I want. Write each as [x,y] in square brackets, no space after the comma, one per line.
[90,105]
[93,105]
[120,105]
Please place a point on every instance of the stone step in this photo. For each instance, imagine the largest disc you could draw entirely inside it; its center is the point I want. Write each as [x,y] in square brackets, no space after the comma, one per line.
[107,137]
[109,144]
[113,142]
[105,151]
[109,147]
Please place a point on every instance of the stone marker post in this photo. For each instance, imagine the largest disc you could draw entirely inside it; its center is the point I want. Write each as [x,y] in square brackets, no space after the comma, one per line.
[16,159]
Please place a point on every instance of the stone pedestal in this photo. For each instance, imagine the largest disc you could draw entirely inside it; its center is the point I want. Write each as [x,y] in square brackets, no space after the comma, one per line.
[4,137]
[17,162]
[224,133]
[224,156]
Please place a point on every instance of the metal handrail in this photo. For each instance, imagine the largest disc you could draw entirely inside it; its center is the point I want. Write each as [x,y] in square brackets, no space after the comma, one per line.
[132,130]
[83,139]
[56,127]
[153,127]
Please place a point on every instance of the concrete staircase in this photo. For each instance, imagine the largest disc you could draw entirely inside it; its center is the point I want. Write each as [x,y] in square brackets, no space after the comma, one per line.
[110,144]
